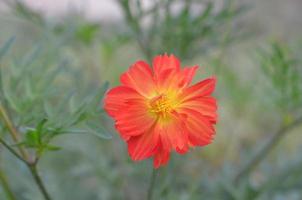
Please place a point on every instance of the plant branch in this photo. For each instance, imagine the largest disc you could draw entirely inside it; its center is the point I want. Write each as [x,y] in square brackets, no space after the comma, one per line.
[274,182]
[152,184]
[6,188]
[32,165]
[260,155]
[136,28]
[12,151]
[12,130]
[38,180]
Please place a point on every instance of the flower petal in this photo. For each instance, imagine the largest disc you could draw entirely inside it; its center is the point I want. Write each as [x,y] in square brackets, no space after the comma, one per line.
[134,120]
[163,64]
[187,75]
[200,129]
[140,78]
[175,80]
[143,146]
[173,134]
[117,98]
[161,158]
[200,89]
[207,106]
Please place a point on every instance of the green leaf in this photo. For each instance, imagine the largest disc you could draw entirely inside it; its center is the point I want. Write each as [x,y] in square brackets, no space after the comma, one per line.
[73,104]
[205,14]
[13,103]
[98,129]
[52,148]
[32,139]
[48,109]
[100,94]
[29,89]
[87,32]
[41,125]
[32,56]
[7,45]
[52,75]
[73,131]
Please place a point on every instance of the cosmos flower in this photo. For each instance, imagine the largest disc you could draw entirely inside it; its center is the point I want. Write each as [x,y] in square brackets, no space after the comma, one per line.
[157,112]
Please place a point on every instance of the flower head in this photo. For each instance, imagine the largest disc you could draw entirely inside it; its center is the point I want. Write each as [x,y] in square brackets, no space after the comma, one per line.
[156,111]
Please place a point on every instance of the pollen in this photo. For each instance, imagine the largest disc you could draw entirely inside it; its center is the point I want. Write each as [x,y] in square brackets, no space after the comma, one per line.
[161,105]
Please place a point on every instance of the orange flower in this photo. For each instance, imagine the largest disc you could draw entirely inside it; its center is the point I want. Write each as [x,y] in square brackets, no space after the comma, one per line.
[156,111]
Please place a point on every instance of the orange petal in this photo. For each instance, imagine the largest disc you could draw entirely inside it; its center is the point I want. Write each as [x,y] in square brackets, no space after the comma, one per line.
[134,120]
[200,129]
[174,135]
[207,106]
[200,89]
[176,80]
[163,64]
[143,146]
[139,77]
[161,157]
[117,98]
[187,75]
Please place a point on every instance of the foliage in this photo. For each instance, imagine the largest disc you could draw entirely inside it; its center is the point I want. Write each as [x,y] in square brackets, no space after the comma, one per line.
[49,88]
[283,73]
[185,33]
[40,92]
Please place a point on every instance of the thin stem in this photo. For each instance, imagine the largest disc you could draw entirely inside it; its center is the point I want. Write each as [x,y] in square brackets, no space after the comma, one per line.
[6,188]
[224,43]
[12,130]
[260,155]
[136,28]
[34,172]
[152,184]
[32,165]
[12,151]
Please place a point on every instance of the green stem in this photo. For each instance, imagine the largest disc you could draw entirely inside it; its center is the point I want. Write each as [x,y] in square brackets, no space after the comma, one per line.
[260,155]
[33,169]
[12,130]
[152,184]
[38,180]
[136,28]
[32,165]
[6,188]
[12,150]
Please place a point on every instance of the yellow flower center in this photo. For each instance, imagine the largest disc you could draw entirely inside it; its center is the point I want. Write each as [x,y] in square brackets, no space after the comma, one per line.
[161,105]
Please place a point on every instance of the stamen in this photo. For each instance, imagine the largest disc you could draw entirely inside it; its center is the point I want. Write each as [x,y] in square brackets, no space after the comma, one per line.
[161,105]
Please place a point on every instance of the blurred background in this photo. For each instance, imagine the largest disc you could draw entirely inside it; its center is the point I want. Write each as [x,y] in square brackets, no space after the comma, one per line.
[58,57]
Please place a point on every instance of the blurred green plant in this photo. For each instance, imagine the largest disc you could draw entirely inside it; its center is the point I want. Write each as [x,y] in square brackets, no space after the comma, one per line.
[21,10]
[6,187]
[281,81]
[39,101]
[193,29]
[281,70]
